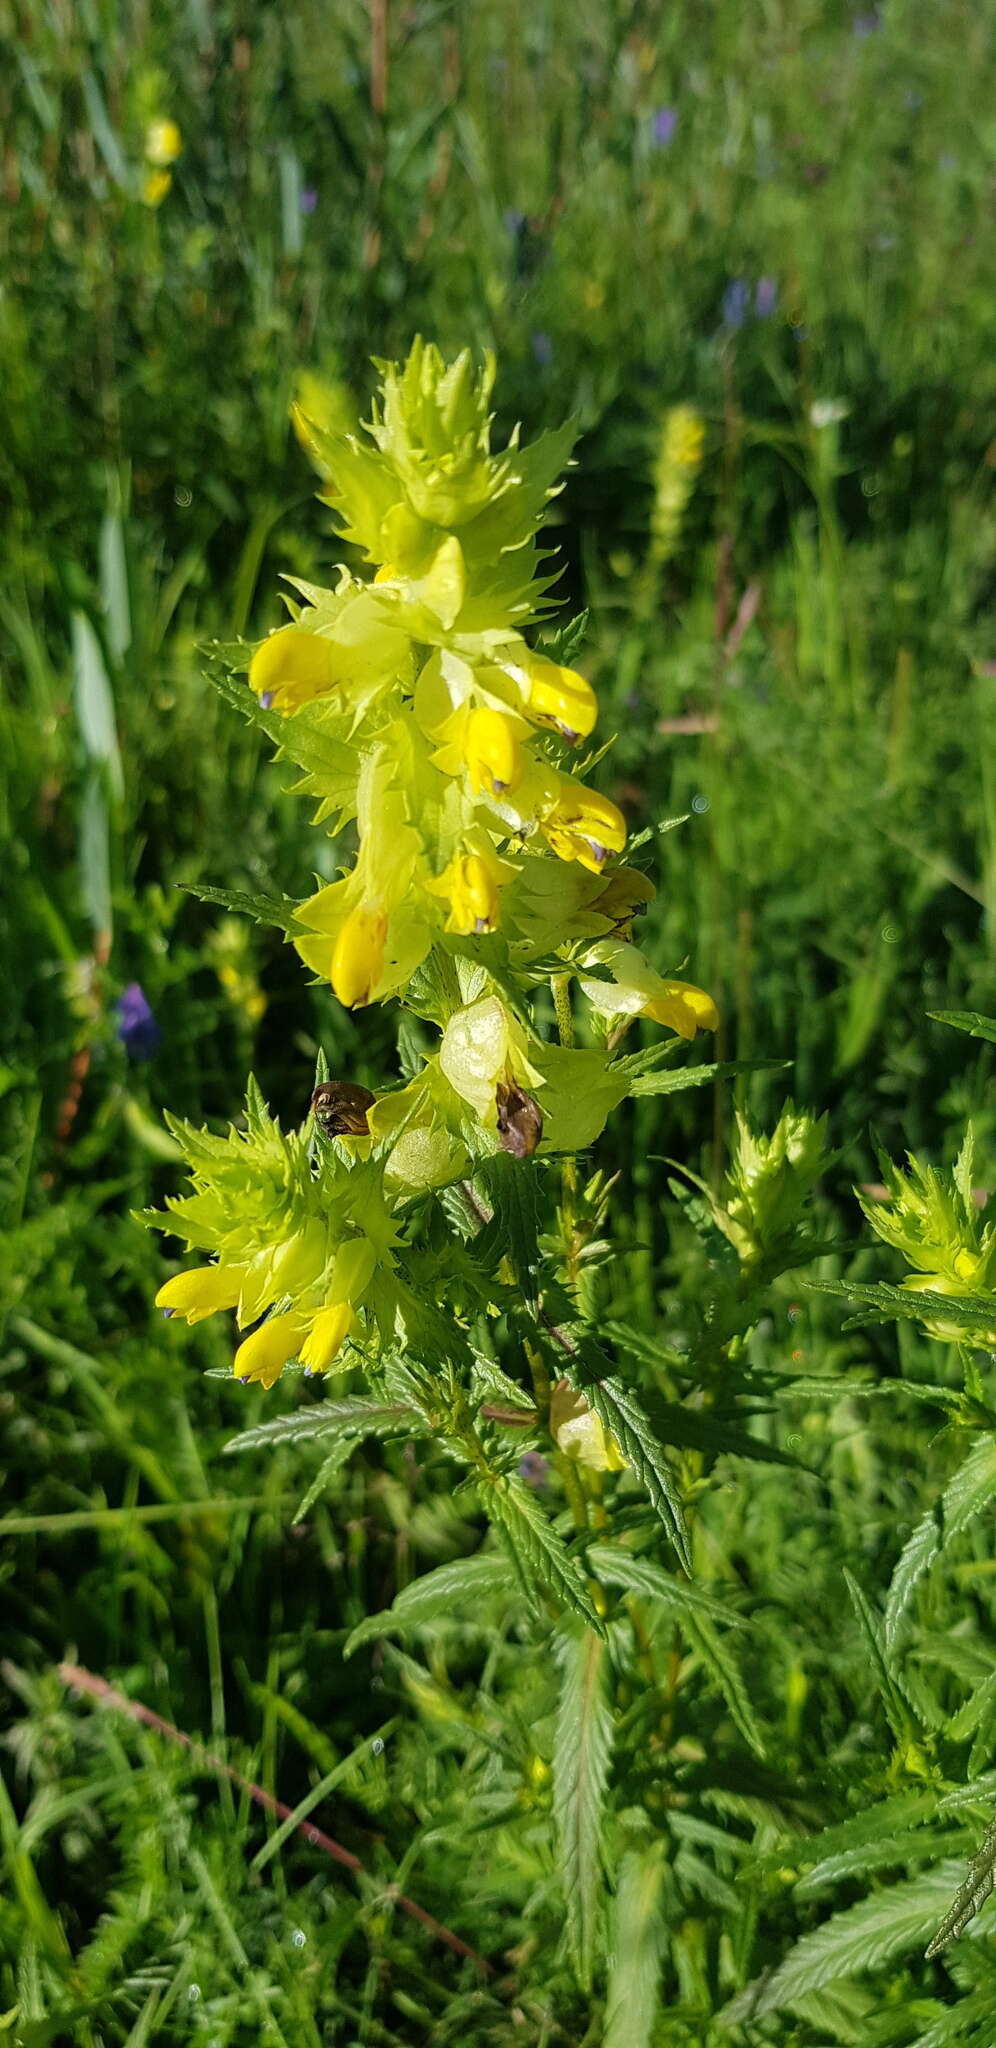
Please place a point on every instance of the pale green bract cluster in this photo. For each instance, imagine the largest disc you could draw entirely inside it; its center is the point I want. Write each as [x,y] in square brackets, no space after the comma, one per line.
[484,869]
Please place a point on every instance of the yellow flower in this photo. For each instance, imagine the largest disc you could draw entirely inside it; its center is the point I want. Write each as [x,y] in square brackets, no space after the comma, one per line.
[201,1292]
[561,698]
[471,884]
[584,825]
[636,990]
[263,1355]
[358,955]
[155,188]
[163,143]
[579,1433]
[684,1007]
[292,667]
[491,751]
[327,1336]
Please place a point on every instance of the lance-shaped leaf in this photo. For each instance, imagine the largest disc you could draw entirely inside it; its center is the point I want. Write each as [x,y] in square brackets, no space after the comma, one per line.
[970,1896]
[637,1945]
[440,1595]
[543,1564]
[582,1759]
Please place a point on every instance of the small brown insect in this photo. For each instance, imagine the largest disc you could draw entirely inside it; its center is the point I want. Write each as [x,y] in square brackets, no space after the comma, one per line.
[340,1109]
[520,1120]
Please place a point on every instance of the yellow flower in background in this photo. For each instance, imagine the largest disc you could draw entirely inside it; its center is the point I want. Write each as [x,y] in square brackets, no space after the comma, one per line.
[163,143]
[155,188]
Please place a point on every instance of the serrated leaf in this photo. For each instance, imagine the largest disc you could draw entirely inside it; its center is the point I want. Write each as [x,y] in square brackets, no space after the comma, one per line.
[889,1302]
[275,910]
[620,1411]
[673,1081]
[542,1562]
[705,1430]
[916,1557]
[618,1567]
[511,1189]
[892,1699]
[970,1896]
[436,1595]
[356,1416]
[323,1478]
[582,1759]
[971,1021]
[890,1923]
[966,1495]
[718,1659]
[636,1948]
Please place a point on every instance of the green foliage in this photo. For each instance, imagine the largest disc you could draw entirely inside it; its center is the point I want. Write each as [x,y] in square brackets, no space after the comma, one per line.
[789,635]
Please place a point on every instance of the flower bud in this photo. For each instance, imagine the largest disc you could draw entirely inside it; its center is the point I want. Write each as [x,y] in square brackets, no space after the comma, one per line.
[201,1292]
[561,698]
[579,1433]
[584,825]
[358,955]
[491,751]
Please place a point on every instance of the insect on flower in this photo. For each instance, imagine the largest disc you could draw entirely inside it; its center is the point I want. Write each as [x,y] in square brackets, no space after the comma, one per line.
[340,1108]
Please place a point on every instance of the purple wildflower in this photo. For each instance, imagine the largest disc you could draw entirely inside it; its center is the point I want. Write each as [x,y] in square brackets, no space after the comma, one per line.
[736,303]
[765,297]
[542,349]
[137,1028]
[308,200]
[865,25]
[533,1468]
[664,125]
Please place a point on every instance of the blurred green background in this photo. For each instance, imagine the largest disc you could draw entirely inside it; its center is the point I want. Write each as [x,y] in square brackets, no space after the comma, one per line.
[778,216]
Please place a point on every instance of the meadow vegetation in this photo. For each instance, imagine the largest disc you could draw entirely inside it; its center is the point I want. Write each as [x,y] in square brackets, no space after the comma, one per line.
[734,1801]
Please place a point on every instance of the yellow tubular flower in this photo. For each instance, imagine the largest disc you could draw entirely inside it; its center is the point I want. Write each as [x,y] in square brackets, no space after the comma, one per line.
[584,825]
[263,1355]
[470,888]
[358,955]
[200,1293]
[491,751]
[292,667]
[327,1336]
[561,698]
[685,1008]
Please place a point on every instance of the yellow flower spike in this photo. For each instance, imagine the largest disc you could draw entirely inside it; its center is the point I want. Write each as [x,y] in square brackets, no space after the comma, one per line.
[561,698]
[263,1355]
[684,1007]
[293,667]
[584,825]
[358,955]
[327,1336]
[163,143]
[491,751]
[201,1293]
